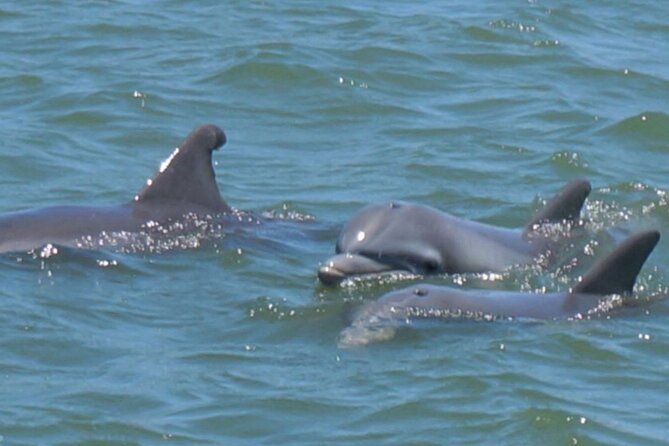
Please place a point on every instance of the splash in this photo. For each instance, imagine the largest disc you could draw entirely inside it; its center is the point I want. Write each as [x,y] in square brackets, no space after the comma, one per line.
[360,335]
[190,232]
[379,322]
[285,213]
[376,279]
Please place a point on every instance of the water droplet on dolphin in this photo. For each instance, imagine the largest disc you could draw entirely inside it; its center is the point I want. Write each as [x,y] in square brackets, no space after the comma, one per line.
[165,164]
[361,236]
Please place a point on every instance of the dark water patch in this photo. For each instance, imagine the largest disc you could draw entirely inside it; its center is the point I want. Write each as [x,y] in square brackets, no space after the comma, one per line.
[27,81]
[405,83]
[94,401]
[7,13]
[354,111]
[565,117]
[376,55]
[41,349]
[502,61]
[441,136]
[490,104]
[616,75]
[83,118]
[491,35]
[71,428]
[256,74]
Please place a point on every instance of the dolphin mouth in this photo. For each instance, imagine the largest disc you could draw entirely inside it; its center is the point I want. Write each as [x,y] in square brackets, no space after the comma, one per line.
[341,266]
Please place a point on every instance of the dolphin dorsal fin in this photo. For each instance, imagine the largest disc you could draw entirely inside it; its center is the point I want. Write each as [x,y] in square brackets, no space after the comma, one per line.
[565,205]
[187,176]
[616,273]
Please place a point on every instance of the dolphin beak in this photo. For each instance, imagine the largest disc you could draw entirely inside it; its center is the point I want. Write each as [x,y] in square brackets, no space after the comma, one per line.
[341,266]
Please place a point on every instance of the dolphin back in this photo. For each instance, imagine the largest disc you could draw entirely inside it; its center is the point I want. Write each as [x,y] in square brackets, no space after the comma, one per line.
[617,272]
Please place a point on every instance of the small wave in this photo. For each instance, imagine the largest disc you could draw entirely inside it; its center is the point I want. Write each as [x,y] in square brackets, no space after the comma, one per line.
[647,127]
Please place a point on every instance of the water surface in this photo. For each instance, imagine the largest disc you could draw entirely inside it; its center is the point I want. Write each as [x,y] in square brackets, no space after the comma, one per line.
[483,110]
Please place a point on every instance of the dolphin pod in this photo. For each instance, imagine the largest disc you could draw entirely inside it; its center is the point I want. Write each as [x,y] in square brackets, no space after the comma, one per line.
[614,274]
[420,239]
[184,184]
[395,236]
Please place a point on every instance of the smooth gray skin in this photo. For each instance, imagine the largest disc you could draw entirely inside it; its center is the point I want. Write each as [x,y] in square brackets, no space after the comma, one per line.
[614,274]
[420,239]
[185,184]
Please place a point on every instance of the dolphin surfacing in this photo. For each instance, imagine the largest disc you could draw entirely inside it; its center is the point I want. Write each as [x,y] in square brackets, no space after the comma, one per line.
[614,274]
[420,239]
[184,184]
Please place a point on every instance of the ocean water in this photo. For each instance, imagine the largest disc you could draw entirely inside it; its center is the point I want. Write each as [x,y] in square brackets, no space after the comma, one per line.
[482,109]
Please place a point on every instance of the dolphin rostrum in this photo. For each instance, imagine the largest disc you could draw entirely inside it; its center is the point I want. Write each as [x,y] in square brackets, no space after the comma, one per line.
[185,184]
[420,239]
[615,274]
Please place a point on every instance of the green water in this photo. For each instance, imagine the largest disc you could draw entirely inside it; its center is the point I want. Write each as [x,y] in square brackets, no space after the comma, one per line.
[480,109]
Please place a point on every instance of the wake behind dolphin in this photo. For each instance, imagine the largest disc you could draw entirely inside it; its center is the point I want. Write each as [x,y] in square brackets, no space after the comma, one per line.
[423,240]
[614,274]
[185,184]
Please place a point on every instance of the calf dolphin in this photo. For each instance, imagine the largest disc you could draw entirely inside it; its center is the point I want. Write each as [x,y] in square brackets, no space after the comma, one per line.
[184,184]
[614,274]
[419,239]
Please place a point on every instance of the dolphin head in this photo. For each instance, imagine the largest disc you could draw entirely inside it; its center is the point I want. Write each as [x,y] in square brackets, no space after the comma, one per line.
[386,237]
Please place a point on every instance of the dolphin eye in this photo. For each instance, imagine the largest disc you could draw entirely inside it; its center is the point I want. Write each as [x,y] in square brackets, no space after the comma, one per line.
[420,292]
[430,266]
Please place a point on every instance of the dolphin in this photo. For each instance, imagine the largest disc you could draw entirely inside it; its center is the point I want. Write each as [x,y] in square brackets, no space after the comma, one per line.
[419,239]
[614,274]
[185,184]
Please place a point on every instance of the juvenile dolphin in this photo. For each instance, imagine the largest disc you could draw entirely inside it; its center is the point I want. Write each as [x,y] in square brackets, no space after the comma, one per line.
[419,239]
[184,184]
[614,274]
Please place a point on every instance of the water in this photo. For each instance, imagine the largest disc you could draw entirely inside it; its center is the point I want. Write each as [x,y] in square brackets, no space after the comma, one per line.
[481,109]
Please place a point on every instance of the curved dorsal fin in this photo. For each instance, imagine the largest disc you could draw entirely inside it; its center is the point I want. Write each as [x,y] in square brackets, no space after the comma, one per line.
[616,273]
[565,205]
[187,176]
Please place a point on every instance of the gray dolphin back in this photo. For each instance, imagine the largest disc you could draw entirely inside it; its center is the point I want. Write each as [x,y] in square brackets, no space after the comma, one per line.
[564,206]
[616,273]
[188,176]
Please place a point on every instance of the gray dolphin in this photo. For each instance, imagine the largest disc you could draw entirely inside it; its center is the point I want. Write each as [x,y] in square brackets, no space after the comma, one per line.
[614,274]
[184,184]
[419,239]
